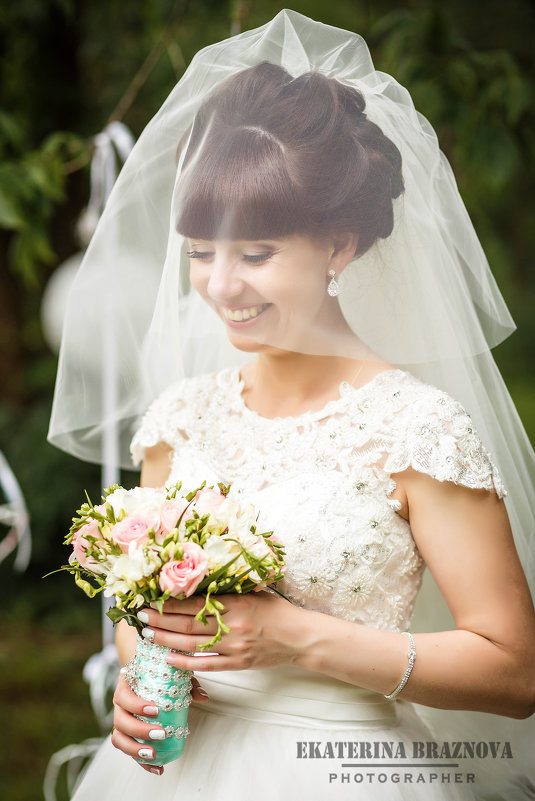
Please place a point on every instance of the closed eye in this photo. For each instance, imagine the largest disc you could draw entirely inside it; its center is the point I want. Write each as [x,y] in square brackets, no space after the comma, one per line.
[250,258]
[257,258]
[200,254]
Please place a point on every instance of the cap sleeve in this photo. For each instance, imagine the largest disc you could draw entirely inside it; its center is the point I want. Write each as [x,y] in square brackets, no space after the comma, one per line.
[441,441]
[160,423]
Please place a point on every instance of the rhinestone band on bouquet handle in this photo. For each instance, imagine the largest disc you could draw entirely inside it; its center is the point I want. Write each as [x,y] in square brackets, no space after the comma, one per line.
[152,678]
[143,546]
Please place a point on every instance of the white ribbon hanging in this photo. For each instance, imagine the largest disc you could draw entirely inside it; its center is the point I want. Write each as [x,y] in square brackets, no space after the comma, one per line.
[100,672]
[111,147]
[74,757]
[14,514]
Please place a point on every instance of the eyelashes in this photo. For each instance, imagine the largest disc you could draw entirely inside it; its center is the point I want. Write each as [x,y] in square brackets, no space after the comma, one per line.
[197,254]
[250,258]
[256,258]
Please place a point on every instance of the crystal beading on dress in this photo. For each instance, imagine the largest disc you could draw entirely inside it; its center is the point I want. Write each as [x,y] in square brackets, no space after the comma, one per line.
[329,472]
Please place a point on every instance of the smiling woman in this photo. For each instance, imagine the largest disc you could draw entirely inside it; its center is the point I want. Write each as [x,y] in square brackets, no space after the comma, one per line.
[326,236]
[252,287]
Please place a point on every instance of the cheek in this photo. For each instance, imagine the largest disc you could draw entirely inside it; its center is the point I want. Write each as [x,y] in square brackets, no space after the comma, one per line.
[199,279]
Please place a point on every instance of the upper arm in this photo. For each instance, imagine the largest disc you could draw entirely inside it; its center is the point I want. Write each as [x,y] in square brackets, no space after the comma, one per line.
[465,539]
[154,473]
[156,465]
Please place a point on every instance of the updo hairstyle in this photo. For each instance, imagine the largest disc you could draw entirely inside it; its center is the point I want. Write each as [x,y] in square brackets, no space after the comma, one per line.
[270,156]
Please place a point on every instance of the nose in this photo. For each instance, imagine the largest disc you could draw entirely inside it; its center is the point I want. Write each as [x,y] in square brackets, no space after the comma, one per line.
[225,282]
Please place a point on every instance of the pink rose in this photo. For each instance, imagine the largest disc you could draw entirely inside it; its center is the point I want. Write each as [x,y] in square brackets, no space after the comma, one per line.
[135,529]
[80,544]
[208,501]
[185,576]
[170,513]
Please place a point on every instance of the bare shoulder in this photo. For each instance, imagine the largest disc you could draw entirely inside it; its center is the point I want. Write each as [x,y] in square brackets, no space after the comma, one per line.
[156,465]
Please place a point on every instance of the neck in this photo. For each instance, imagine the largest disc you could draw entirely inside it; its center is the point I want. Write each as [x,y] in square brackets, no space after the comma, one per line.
[283,383]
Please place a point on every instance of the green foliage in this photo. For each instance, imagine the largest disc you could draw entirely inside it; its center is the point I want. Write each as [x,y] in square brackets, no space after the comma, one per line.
[480,101]
[34,662]
[32,185]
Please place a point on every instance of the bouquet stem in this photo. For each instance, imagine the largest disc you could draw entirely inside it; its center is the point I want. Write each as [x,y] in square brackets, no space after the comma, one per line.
[153,679]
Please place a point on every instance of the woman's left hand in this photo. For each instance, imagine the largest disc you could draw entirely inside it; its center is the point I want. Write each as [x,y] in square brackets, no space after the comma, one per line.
[264,632]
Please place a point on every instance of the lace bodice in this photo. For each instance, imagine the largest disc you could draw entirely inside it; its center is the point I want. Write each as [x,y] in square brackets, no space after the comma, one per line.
[322,481]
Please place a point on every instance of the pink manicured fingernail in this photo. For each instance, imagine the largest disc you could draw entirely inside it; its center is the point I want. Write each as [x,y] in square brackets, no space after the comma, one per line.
[150,710]
[202,692]
[156,771]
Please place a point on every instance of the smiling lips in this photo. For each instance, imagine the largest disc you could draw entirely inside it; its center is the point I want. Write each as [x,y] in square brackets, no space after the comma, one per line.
[242,315]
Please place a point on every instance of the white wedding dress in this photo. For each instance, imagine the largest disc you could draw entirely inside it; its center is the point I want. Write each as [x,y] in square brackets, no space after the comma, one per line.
[322,482]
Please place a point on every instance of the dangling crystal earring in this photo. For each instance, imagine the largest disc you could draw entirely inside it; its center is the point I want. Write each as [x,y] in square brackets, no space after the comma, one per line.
[333,289]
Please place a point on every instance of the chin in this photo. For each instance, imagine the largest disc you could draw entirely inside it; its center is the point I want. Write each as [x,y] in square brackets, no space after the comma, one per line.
[248,345]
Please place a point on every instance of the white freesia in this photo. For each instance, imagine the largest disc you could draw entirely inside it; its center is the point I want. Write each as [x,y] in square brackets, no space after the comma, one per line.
[139,499]
[130,568]
[220,551]
[115,588]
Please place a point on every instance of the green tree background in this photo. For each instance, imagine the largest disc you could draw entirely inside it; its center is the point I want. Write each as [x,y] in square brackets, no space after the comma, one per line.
[69,66]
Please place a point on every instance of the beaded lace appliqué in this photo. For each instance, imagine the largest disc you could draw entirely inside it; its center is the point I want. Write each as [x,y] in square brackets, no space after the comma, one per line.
[323,480]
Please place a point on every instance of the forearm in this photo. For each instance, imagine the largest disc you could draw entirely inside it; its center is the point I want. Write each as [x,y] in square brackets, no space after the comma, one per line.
[125,641]
[453,669]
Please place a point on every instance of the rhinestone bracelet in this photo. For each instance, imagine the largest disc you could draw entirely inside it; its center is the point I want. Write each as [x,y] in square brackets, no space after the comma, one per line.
[412,656]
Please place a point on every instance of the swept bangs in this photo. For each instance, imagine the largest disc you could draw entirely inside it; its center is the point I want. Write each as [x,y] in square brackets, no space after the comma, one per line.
[238,185]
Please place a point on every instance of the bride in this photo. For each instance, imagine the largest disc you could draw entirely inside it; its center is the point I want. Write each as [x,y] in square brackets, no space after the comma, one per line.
[336,299]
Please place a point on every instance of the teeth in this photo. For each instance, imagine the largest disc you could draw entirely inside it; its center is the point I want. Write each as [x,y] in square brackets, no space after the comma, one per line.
[239,315]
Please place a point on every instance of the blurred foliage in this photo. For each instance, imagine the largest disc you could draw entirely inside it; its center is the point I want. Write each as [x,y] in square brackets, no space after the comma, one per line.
[67,67]
[32,185]
[36,659]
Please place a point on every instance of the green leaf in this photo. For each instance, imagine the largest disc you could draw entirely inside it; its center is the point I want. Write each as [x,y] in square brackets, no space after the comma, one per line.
[88,588]
[115,615]
[11,216]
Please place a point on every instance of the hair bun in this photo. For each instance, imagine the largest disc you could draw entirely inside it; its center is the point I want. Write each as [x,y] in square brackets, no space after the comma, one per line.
[281,155]
[351,100]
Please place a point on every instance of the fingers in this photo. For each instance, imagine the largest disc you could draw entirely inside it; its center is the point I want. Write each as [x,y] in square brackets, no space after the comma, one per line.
[178,642]
[135,750]
[127,704]
[177,621]
[207,664]
[129,730]
[127,699]
[130,725]
[156,769]
[187,606]
[198,693]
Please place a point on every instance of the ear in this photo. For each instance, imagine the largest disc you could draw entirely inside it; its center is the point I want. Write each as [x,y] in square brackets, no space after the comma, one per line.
[344,247]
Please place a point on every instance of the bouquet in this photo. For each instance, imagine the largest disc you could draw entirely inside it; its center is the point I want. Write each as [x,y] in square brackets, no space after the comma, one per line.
[143,546]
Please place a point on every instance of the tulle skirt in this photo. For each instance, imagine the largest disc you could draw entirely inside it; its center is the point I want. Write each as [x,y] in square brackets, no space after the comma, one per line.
[284,733]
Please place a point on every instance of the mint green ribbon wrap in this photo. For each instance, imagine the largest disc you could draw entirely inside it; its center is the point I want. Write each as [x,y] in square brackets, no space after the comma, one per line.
[169,688]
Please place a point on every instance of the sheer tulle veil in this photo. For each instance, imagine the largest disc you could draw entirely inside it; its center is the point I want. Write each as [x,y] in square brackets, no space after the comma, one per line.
[423,298]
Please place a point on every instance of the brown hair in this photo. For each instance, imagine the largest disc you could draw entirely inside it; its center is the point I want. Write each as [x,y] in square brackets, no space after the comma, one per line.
[270,155]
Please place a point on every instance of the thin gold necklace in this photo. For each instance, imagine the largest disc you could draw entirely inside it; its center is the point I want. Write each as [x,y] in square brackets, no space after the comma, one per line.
[352,382]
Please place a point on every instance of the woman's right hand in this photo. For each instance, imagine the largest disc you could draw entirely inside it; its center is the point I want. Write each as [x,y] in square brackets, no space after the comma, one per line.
[127,727]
